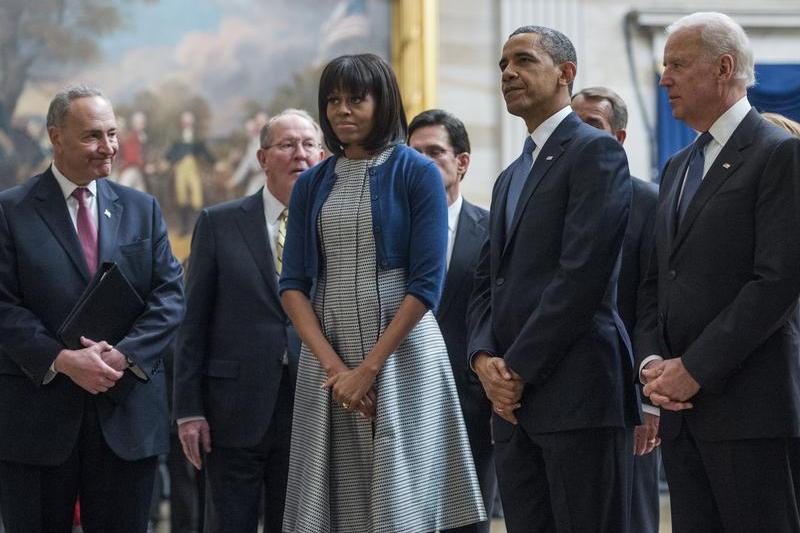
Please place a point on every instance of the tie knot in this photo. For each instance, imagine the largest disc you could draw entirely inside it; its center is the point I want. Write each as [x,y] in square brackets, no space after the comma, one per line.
[529,146]
[284,214]
[703,140]
[81,194]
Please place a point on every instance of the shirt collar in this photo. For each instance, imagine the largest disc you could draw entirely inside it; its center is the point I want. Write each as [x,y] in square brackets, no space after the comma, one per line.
[546,128]
[453,211]
[726,124]
[67,186]
[272,206]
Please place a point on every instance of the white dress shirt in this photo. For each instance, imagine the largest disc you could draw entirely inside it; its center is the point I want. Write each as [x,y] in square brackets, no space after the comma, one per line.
[453,212]
[543,132]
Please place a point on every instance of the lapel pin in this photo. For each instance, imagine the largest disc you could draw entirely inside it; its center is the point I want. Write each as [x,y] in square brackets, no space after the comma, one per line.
[107,213]
[726,165]
[549,158]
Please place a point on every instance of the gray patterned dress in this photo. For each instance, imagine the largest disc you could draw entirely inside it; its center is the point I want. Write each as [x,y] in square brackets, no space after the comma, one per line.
[410,468]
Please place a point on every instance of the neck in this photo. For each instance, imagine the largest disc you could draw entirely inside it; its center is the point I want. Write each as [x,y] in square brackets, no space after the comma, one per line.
[538,115]
[281,195]
[452,194]
[356,151]
[727,99]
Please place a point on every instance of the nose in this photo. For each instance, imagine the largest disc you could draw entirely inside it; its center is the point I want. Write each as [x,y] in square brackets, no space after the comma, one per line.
[666,79]
[508,73]
[108,145]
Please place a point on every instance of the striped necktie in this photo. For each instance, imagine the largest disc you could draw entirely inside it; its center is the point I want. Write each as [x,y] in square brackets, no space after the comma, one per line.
[281,240]
[87,231]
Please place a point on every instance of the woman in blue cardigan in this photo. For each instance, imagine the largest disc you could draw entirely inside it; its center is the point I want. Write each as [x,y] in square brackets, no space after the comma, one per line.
[378,442]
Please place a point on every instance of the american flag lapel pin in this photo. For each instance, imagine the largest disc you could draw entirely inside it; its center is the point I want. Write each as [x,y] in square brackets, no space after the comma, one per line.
[726,165]
[549,158]
[107,213]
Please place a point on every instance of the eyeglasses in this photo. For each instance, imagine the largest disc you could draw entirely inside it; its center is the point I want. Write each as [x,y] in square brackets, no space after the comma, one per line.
[290,145]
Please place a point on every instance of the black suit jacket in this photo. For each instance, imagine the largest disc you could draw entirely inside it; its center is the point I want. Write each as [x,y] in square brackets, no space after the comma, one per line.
[472,231]
[42,275]
[546,293]
[228,358]
[723,287]
[636,249]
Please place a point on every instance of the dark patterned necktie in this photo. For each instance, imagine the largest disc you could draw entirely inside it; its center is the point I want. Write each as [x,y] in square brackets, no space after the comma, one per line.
[87,231]
[522,167]
[694,173]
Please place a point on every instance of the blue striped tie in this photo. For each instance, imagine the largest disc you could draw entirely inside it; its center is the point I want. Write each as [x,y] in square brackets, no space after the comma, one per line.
[694,173]
[522,167]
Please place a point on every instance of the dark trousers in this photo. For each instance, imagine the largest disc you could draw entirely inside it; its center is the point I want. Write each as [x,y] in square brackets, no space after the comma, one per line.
[644,497]
[115,494]
[566,482]
[187,491]
[735,486]
[235,476]
[483,456]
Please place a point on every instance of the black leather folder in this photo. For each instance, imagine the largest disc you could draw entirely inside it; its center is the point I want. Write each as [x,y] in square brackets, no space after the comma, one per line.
[105,311]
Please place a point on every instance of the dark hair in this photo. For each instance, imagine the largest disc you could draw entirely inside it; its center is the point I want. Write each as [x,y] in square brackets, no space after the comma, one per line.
[556,44]
[619,111]
[359,75]
[439,117]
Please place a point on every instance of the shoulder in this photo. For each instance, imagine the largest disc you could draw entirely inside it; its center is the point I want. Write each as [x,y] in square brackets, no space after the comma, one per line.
[128,195]
[406,157]
[644,189]
[476,212]
[232,206]
[19,192]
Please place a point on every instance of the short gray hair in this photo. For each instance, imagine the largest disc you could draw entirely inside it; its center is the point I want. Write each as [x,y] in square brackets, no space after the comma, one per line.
[265,135]
[619,111]
[59,105]
[721,35]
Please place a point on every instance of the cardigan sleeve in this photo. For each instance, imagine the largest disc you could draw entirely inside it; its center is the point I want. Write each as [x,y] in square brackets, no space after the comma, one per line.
[427,254]
[293,271]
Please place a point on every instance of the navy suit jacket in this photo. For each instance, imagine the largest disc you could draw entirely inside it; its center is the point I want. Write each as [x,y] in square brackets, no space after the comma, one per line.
[228,358]
[545,298]
[722,289]
[42,275]
[473,230]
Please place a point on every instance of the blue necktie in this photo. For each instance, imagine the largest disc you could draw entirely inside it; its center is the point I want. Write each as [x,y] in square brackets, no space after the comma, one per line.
[694,173]
[522,167]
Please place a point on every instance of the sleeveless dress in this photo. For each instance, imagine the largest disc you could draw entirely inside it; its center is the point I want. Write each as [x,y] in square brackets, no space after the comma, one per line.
[410,468]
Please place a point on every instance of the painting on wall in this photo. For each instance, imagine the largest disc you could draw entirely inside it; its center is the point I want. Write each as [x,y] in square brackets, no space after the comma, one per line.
[192,82]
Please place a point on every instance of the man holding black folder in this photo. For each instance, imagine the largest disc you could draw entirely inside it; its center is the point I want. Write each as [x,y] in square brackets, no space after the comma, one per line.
[83,418]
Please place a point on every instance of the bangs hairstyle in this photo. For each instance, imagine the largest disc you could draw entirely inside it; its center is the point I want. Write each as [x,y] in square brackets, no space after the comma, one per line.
[360,75]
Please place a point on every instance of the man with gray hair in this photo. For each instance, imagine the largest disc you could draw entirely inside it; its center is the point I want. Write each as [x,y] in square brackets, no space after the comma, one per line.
[606,110]
[547,342]
[86,421]
[237,353]
[717,340]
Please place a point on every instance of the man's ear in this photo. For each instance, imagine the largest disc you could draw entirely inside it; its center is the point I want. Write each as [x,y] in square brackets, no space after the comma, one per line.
[726,67]
[261,155]
[568,72]
[463,164]
[54,133]
[621,135]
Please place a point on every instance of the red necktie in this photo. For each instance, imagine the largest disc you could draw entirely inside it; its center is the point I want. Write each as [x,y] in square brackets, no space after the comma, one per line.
[87,232]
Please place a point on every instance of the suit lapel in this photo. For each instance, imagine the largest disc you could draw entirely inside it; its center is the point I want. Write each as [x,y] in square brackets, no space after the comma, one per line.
[548,155]
[253,227]
[726,163]
[109,215]
[52,207]
[466,234]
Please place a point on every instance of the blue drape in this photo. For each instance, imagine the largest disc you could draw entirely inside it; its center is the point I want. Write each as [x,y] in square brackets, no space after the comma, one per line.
[777,90]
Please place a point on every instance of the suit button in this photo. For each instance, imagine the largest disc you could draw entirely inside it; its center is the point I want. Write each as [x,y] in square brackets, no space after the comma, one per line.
[672,274]
[499,281]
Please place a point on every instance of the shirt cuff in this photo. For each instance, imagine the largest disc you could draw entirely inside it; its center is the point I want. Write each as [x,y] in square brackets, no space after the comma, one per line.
[651,409]
[647,360]
[50,375]
[189,419]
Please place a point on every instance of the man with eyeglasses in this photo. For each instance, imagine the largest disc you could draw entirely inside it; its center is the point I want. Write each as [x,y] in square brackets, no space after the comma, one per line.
[237,353]
[443,138]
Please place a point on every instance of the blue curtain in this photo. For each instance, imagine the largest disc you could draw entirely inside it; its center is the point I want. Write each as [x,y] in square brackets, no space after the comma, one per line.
[777,90]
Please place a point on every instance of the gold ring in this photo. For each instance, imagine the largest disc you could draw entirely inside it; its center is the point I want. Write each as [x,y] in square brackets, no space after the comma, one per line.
[346,405]
[652,441]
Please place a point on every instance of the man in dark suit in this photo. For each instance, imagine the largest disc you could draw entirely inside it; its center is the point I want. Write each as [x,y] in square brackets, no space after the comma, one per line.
[547,343]
[443,138]
[606,110]
[79,421]
[237,354]
[718,337]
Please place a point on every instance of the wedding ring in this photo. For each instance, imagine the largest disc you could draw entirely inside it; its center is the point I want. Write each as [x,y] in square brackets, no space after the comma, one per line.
[346,405]
[652,441]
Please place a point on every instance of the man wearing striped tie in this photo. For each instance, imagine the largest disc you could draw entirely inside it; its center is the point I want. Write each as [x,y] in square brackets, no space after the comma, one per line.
[236,356]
